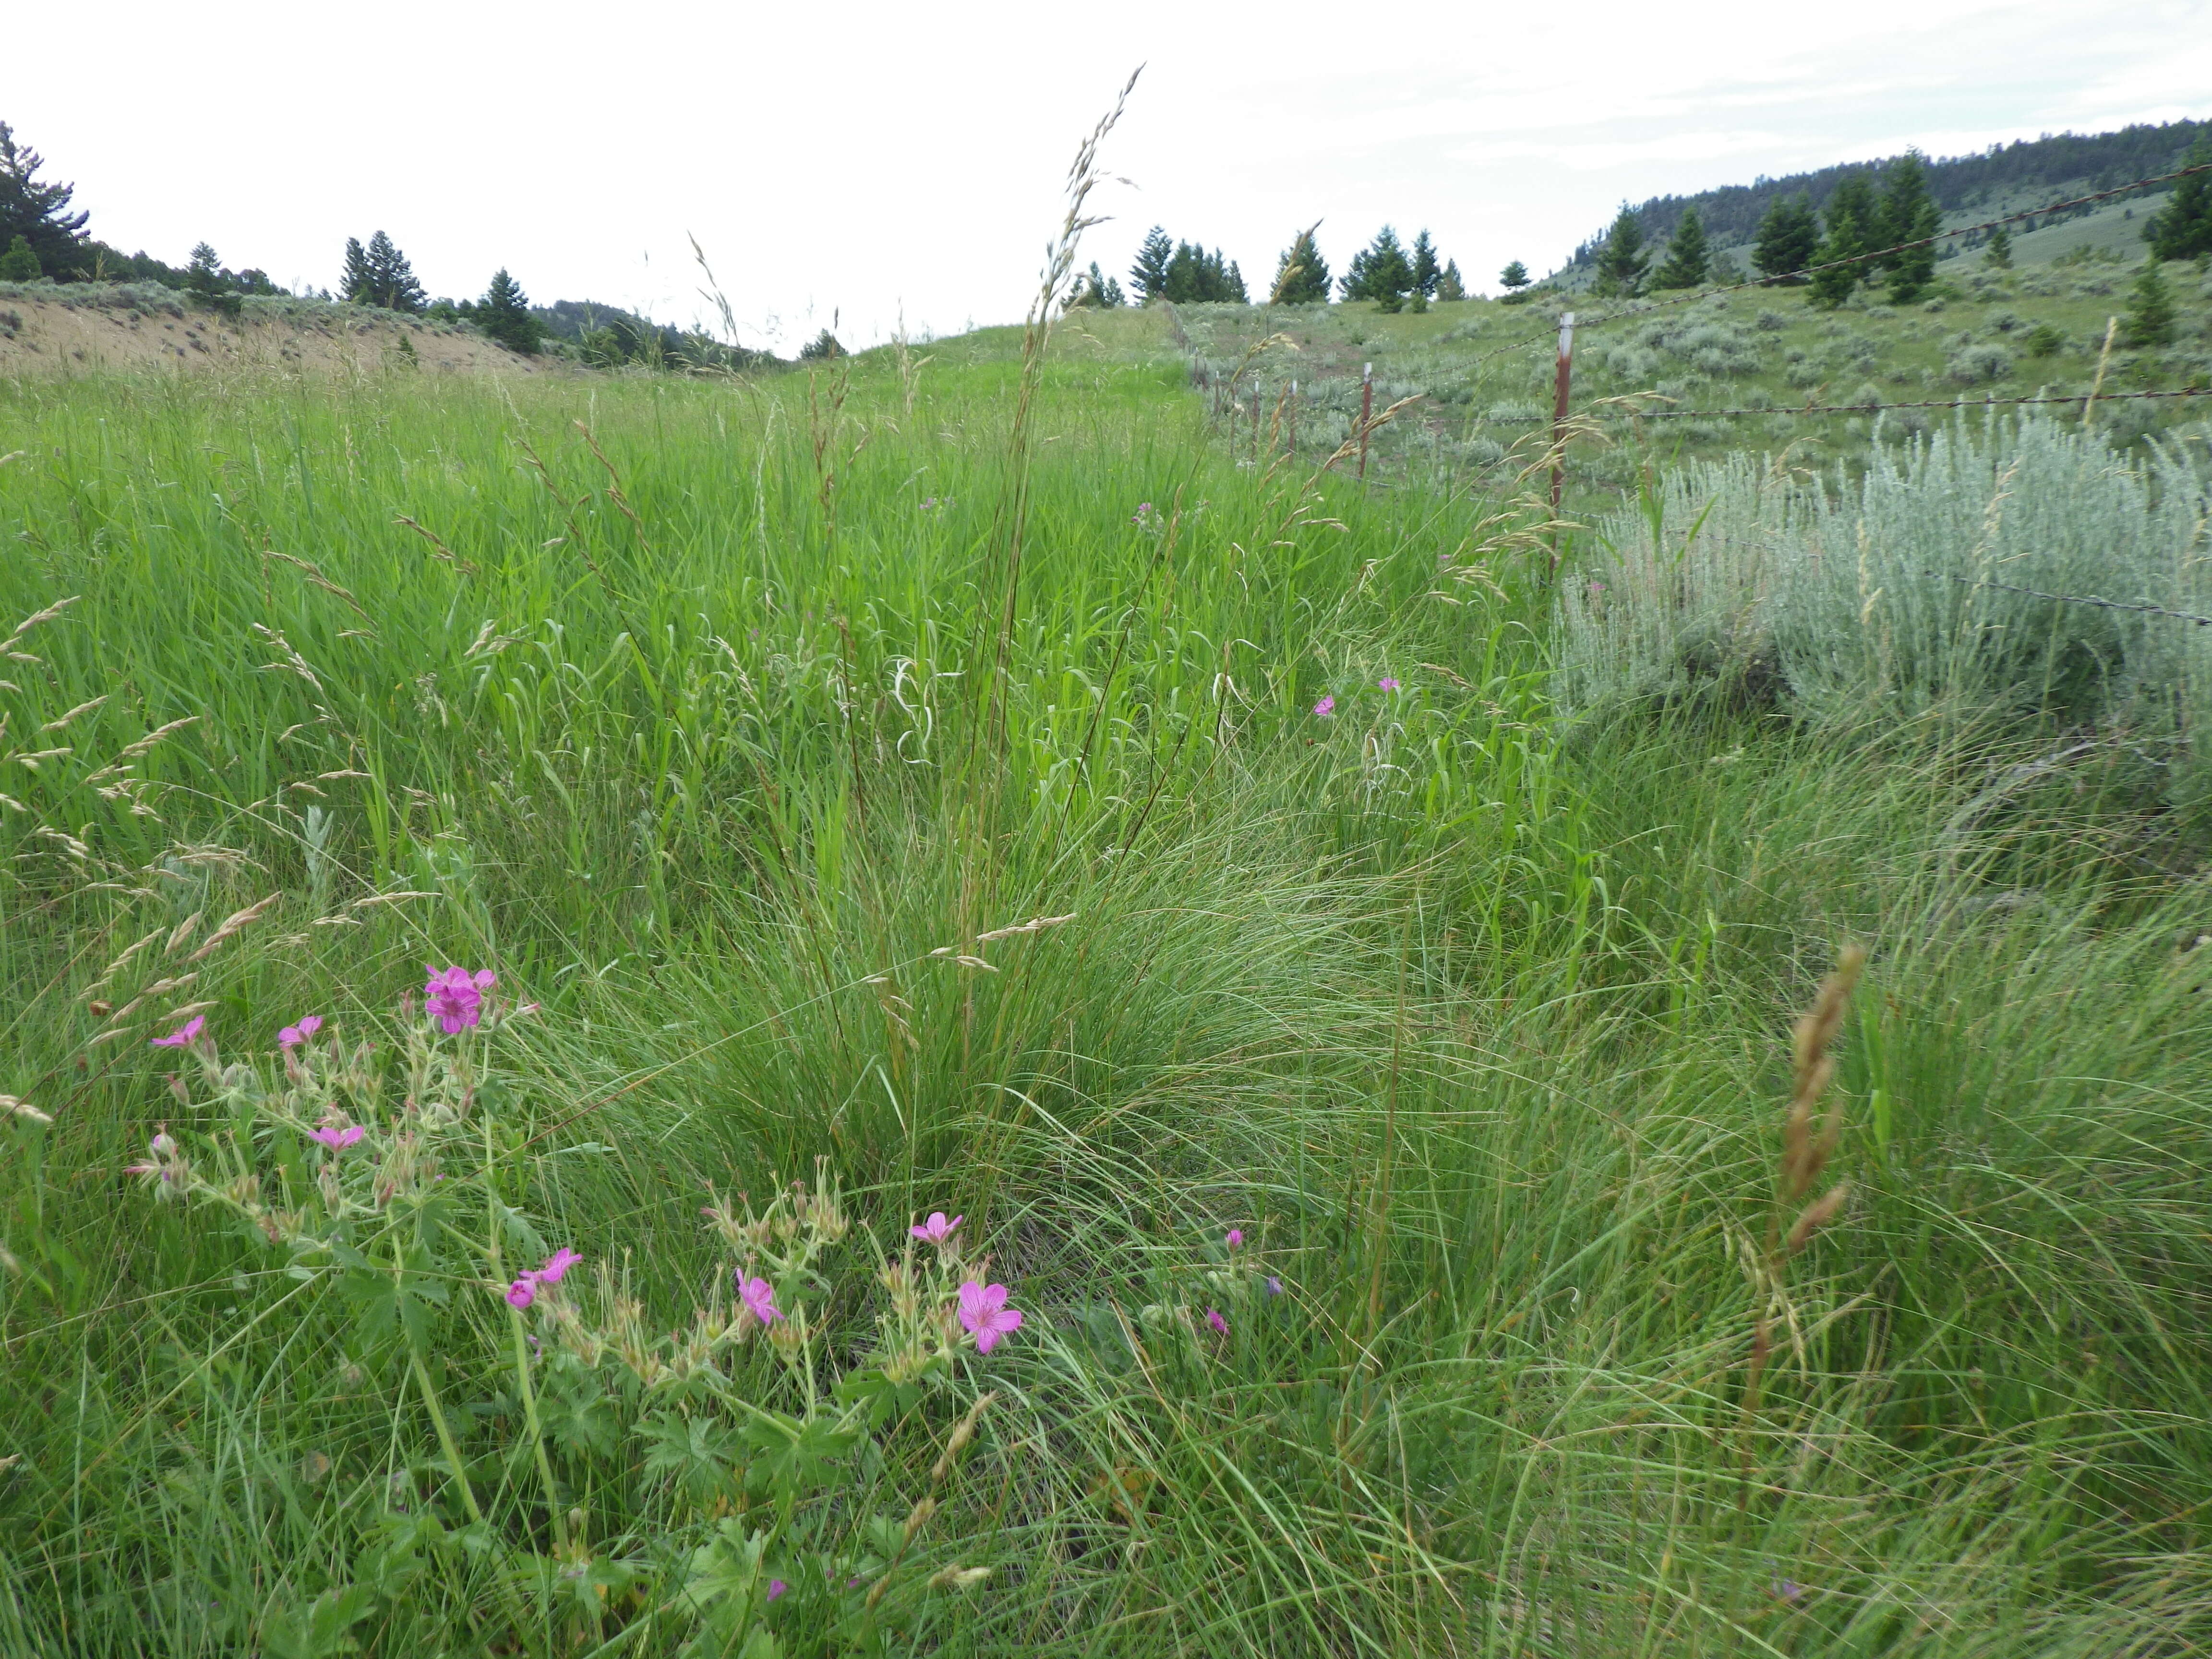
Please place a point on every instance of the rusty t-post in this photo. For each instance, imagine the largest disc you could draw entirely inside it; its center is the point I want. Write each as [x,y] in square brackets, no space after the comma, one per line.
[1564,379]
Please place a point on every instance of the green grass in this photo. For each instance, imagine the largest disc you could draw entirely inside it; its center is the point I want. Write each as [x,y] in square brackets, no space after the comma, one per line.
[1480,1036]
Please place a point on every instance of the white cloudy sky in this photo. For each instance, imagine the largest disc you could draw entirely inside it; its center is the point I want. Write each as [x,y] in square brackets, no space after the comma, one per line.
[863,159]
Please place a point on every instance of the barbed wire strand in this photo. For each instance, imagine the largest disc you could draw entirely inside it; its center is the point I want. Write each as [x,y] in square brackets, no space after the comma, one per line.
[1844,408]
[2076,598]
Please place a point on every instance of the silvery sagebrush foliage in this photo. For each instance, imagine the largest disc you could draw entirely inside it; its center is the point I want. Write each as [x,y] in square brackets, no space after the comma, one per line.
[1895,595]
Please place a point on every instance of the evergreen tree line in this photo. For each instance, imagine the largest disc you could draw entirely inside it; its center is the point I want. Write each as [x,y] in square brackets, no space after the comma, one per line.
[1385,271]
[2091,161]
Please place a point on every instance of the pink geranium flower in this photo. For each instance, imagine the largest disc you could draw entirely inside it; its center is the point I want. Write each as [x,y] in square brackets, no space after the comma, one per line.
[776,1588]
[184,1035]
[1325,708]
[985,1316]
[292,1035]
[455,998]
[759,1297]
[1236,1236]
[1387,684]
[937,1230]
[522,1292]
[1213,1318]
[556,1265]
[337,1140]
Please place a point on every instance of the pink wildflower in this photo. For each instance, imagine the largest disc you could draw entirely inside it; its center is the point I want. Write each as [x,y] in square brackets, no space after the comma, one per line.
[1387,684]
[985,1316]
[556,1265]
[937,1230]
[292,1035]
[455,998]
[1213,1318]
[776,1588]
[1326,707]
[522,1292]
[185,1035]
[337,1140]
[759,1297]
[1235,1237]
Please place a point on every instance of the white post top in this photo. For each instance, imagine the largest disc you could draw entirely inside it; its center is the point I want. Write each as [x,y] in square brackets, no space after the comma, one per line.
[1367,372]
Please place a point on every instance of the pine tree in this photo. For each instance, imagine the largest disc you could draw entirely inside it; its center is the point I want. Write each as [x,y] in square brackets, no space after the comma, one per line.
[1232,287]
[1788,237]
[1689,256]
[1096,291]
[19,263]
[1427,272]
[2182,229]
[1850,213]
[2149,320]
[1450,288]
[393,278]
[1380,271]
[1622,261]
[1999,254]
[206,281]
[1149,275]
[1300,274]
[38,213]
[822,347]
[1908,214]
[504,314]
[358,283]
[1515,277]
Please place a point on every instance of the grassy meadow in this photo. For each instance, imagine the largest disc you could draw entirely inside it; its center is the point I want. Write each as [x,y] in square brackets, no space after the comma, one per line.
[1384,1130]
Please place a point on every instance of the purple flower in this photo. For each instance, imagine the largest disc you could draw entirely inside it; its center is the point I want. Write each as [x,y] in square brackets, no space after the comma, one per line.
[163,1145]
[557,1264]
[1387,684]
[184,1035]
[455,998]
[1236,1236]
[1274,1286]
[1325,708]
[522,1292]
[759,1297]
[292,1035]
[985,1316]
[1213,1318]
[937,1230]
[337,1140]
[776,1588]
[1789,1590]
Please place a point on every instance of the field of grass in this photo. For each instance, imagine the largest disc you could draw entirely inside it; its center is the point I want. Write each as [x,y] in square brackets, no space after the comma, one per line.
[1384,1134]
[1482,409]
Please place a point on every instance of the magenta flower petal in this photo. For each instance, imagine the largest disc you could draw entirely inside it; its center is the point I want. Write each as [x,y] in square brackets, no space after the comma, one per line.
[1213,1318]
[557,1264]
[759,1297]
[336,1139]
[776,1588]
[985,1316]
[1387,684]
[1325,708]
[184,1035]
[1236,1236]
[522,1292]
[937,1228]
[292,1035]
[455,998]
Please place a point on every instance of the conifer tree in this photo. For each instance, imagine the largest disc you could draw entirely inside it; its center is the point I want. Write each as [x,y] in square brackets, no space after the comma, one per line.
[357,282]
[1096,291]
[206,281]
[1689,255]
[1427,272]
[38,213]
[1998,255]
[1515,277]
[1380,271]
[393,277]
[2182,229]
[504,314]
[1450,287]
[1851,212]
[1788,237]
[2149,320]
[1149,275]
[19,263]
[1908,214]
[1300,274]
[1622,261]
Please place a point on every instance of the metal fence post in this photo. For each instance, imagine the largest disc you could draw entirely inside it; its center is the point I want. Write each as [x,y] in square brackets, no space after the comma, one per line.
[1560,385]
[1366,408]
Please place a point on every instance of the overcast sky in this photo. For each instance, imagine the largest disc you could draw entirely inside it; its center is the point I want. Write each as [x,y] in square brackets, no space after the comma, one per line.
[860,161]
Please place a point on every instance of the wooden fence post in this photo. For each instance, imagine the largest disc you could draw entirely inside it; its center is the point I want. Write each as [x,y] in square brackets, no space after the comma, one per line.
[1366,408]
[1562,380]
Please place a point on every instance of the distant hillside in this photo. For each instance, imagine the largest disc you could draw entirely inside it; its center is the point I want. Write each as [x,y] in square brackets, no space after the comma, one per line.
[2007,178]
